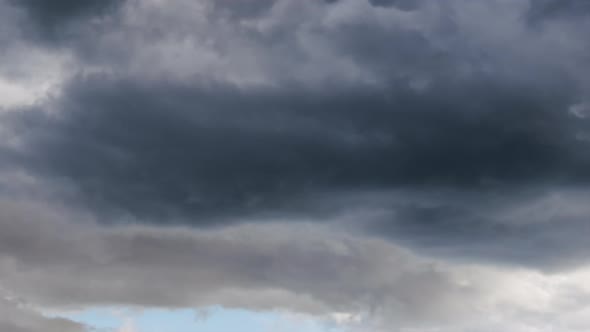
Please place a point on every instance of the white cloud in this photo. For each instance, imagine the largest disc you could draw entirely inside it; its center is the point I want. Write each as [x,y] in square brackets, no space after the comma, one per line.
[128,326]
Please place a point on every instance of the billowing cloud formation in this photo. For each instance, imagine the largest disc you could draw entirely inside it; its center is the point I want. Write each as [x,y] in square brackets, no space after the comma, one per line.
[195,140]
[301,267]
[217,147]
[410,108]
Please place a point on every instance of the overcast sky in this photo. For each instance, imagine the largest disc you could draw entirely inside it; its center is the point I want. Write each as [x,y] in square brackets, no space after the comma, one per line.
[335,165]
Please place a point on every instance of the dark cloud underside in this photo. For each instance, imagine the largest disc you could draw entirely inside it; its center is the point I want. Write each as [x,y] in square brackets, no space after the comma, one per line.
[58,19]
[145,147]
[210,113]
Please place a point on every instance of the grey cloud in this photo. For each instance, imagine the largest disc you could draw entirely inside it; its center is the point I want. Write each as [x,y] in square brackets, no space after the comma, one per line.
[162,147]
[352,42]
[16,316]
[52,20]
[551,9]
[244,9]
[457,130]
[401,4]
[430,101]
[55,263]
[543,228]
[65,263]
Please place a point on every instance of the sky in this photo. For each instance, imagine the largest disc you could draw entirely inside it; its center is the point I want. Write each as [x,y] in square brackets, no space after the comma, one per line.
[214,319]
[294,165]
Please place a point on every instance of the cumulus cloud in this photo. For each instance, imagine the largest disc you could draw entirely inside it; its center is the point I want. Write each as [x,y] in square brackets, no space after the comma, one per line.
[371,158]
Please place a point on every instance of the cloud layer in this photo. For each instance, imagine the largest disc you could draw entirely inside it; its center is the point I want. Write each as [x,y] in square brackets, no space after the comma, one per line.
[355,280]
[316,156]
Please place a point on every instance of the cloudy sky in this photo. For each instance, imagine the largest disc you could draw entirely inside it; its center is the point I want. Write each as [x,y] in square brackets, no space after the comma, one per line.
[294,165]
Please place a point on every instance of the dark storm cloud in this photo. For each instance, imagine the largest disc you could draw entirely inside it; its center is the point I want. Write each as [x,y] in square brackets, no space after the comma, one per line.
[548,9]
[149,147]
[543,227]
[318,136]
[54,20]
[213,154]
[401,4]
[298,103]
[15,316]
[245,8]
